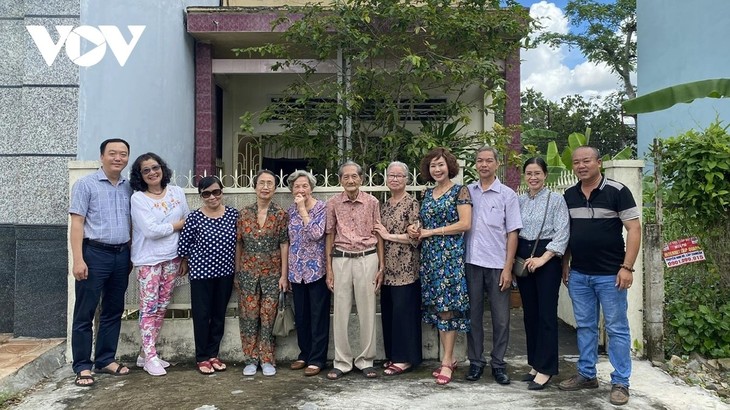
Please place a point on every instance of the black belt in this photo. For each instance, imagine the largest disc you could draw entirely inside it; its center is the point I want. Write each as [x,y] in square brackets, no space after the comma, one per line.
[100,245]
[342,254]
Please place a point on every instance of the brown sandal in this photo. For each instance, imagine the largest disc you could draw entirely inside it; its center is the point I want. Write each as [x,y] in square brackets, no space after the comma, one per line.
[217,365]
[205,364]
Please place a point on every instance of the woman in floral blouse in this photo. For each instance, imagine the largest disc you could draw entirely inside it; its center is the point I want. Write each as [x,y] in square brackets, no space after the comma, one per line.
[307,269]
[262,250]
[400,297]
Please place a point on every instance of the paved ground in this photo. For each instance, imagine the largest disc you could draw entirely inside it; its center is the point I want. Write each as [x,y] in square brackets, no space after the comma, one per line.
[184,388]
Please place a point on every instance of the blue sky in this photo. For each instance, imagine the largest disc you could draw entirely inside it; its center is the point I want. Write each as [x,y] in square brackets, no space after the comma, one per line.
[560,72]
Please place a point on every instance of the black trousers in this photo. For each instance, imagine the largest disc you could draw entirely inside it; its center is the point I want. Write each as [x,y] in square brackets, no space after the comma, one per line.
[312,318]
[400,309]
[539,291]
[208,304]
[108,279]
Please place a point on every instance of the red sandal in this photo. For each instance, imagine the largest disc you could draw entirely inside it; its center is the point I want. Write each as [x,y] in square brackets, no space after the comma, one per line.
[443,379]
[217,365]
[437,370]
[205,364]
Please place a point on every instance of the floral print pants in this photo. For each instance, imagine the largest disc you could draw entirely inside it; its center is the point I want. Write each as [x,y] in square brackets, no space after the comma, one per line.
[258,298]
[156,283]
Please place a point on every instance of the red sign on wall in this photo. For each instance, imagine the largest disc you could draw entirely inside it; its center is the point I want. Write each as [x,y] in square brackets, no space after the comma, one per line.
[682,251]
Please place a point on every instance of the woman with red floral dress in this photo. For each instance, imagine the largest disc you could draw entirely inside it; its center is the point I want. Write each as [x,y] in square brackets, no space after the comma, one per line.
[261,272]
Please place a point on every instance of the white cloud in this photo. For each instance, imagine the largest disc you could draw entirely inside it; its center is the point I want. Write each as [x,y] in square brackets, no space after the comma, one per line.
[544,69]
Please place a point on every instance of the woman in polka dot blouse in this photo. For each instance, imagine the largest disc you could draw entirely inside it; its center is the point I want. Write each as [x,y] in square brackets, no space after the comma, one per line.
[208,248]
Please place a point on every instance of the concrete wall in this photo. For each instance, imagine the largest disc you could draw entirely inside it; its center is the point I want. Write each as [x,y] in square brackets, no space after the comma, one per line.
[679,43]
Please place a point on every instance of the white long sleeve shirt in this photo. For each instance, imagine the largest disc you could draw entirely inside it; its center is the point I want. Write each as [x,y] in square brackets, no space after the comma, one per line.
[153,238]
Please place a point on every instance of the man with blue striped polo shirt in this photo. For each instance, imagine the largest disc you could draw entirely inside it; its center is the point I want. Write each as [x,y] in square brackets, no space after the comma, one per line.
[100,235]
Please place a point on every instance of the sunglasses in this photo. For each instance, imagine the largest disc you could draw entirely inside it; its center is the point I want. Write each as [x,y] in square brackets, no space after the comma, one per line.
[215,192]
[154,168]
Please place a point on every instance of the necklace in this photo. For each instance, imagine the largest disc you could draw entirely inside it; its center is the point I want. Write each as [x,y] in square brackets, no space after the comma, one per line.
[155,193]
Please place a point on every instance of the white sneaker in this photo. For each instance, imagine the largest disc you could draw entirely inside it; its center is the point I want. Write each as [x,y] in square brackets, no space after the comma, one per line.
[250,370]
[154,367]
[268,369]
[141,360]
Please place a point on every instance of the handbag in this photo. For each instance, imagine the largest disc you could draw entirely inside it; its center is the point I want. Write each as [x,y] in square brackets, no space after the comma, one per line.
[284,321]
[518,266]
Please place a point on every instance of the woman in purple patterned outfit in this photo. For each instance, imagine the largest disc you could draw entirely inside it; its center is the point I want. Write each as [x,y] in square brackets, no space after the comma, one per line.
[158,215]
[307,269]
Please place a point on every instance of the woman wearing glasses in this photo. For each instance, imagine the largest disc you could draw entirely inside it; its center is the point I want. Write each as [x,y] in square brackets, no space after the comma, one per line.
[400,297]
[208,249]
[262,250]
[158,214]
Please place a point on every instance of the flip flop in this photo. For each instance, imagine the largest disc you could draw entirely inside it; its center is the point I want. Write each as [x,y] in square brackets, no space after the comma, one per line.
[394,370]
[336,374]
[115,372]
[80,377]
[217,365]
[205,364]
[369,372]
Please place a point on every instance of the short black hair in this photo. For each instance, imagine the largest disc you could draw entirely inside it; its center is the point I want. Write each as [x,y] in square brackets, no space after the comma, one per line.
[538,161]
[135,176]
[205,182]
[103,145]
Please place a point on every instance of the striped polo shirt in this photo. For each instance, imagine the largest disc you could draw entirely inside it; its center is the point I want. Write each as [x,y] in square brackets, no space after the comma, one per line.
[596,226]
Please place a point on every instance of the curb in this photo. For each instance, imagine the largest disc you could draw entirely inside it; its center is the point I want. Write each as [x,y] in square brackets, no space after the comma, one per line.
[35,371]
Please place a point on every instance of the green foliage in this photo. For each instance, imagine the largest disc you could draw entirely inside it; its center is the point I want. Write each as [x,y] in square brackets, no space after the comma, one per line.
[396,54]
[676,94]
[544,121]
[696,193]
[696,168]
[697,307]
[604,32]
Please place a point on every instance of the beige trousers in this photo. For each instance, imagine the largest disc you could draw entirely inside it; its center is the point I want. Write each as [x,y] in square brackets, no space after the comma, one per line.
[354,276]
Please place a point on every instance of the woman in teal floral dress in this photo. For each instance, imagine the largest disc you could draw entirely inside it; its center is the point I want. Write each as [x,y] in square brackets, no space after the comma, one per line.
[446,215]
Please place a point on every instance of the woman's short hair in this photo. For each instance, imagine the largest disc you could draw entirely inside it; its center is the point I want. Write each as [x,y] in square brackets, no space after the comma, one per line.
[435,153]
[538,161]
[135,176]
[298,174]
[402,165]
[206,182]
[262,172]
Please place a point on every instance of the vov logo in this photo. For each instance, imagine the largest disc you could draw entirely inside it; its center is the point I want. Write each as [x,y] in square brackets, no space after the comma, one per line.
[71,38]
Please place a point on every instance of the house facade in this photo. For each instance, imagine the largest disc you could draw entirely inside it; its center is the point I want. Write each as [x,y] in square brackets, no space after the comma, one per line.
[179,93]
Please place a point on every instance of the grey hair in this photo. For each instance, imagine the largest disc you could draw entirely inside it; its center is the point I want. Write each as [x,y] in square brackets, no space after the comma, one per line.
[298,174]
[484,148]
[402,165]
[347,164]
[594,149]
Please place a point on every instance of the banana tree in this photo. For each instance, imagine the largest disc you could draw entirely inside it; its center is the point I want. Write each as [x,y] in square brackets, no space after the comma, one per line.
[680,93]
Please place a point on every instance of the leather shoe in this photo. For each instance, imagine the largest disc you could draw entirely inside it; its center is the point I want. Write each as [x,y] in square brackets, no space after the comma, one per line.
[500,375]
[475,372]
[528,377]
[537,386]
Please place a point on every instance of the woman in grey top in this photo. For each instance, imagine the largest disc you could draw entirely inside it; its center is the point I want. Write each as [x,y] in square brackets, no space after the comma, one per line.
[539,289]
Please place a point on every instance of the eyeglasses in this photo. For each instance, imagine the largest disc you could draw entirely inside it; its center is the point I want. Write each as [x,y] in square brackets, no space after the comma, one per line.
[154,168]
[396,176]
[262,184]
[215,192]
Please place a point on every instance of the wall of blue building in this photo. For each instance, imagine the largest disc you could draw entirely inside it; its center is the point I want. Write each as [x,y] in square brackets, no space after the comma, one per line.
[150,101]
[678,42]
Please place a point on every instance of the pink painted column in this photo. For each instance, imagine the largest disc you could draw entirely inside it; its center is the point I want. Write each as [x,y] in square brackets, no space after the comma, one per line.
[512,113]
[205,121]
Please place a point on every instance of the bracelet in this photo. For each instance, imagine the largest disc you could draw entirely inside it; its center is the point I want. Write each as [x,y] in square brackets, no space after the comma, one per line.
[622,266]
[442,231]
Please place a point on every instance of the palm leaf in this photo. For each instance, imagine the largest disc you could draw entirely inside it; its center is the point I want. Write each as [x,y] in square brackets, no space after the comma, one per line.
[680,93]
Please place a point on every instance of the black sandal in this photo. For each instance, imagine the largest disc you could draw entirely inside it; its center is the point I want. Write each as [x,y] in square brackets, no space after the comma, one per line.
[370,372]
[335,374]
[80,377]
